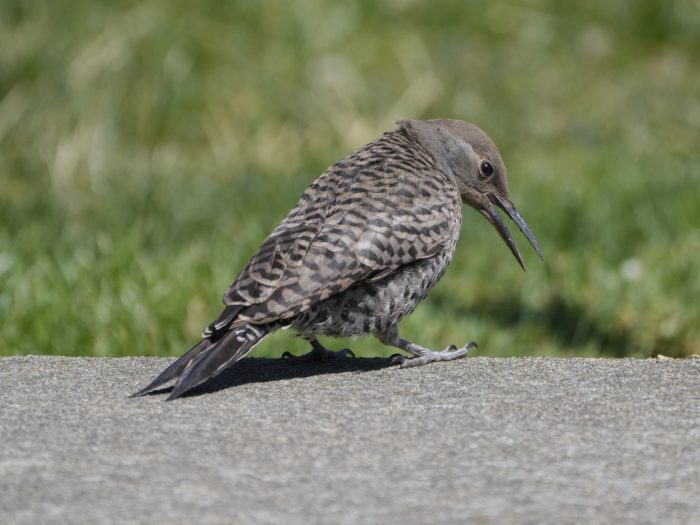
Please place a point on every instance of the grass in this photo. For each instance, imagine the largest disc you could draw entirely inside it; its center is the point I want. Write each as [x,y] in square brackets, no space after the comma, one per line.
[146,149]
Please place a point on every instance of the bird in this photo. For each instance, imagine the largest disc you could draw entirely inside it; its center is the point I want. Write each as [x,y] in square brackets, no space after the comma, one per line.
[364,245]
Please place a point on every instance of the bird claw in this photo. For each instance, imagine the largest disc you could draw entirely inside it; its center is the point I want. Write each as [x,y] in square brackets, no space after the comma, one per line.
[397,359]
[330,355]
[448,354]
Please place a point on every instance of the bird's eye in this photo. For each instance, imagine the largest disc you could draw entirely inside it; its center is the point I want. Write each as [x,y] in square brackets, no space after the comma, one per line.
[485,169]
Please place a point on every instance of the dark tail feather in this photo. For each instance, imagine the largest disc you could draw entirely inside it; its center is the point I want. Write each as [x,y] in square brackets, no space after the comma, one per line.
[226,351]
[220,326]
[174,370]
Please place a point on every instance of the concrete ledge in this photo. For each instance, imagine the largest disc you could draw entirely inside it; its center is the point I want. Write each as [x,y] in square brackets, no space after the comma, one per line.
[474,441]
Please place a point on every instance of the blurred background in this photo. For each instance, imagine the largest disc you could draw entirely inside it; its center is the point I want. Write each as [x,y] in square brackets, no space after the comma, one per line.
[147,148]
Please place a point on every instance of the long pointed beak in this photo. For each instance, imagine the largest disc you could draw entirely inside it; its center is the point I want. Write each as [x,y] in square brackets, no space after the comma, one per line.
[494,218]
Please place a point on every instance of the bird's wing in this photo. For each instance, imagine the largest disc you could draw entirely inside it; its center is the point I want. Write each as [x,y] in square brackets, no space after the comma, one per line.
[364,217]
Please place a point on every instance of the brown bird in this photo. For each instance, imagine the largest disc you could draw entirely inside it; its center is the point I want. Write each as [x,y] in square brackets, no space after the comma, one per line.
[363,246]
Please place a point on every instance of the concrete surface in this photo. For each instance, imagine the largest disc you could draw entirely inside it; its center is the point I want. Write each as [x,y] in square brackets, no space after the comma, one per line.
[474,441]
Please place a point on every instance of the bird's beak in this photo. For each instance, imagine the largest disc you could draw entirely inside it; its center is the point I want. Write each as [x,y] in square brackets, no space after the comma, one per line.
[494,218]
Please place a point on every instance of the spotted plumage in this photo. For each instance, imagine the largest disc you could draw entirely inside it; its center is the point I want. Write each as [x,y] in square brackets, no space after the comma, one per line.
[363,246]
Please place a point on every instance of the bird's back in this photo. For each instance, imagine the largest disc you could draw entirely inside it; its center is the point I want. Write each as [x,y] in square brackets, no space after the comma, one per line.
[382,208]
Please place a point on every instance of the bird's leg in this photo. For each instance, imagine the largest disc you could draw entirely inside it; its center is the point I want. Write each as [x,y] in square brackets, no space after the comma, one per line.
[421,356]
[318,353]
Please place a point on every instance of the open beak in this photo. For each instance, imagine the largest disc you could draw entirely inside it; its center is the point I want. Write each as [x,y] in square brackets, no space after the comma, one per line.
[494,218]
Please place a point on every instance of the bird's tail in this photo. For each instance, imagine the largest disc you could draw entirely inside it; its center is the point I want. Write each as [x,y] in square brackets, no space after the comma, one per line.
[207,359]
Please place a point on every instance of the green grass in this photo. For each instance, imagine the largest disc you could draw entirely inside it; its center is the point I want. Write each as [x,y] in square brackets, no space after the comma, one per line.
[146,149]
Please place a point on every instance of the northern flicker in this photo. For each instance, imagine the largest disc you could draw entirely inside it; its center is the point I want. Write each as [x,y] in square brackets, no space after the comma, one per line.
[363,246]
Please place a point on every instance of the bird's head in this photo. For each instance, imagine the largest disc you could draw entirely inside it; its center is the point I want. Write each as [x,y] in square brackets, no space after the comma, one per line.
[470,157]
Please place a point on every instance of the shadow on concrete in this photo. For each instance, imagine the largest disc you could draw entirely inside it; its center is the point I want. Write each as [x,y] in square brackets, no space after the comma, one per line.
[262,369]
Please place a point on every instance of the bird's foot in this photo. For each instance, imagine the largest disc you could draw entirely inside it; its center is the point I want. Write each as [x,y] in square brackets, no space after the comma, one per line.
[424,356]
[319,354]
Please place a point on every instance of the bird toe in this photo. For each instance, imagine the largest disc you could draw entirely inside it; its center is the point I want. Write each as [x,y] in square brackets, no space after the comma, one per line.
[397,359]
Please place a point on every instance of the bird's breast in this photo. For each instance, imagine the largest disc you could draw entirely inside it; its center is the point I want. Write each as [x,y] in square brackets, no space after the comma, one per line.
[371,307]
